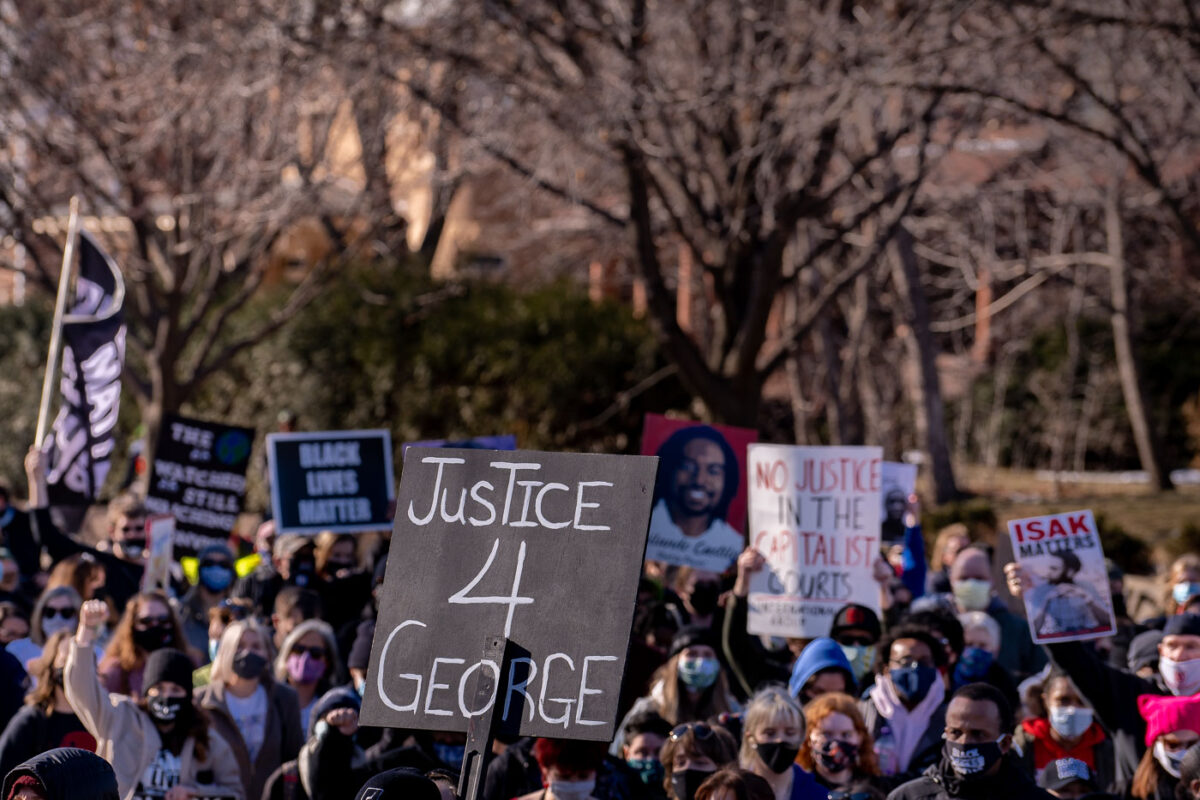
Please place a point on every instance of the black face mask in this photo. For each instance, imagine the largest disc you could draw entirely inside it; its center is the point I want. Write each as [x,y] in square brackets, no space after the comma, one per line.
[685,783]
[836,755]
[56,676]
[248,665]
[303,573]
[154,637]
[778,756]
[170,710]
[705,596]
[971,762]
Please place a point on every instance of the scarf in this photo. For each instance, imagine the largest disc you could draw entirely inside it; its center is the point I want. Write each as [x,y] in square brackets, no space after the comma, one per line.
[1046,748]
[907,726]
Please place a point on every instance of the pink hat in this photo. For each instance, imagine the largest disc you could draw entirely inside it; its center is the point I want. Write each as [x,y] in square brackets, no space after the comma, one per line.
[1166,714]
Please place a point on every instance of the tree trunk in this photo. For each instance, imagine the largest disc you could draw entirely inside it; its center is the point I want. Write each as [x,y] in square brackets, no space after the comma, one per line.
[923,350]
[1149,450]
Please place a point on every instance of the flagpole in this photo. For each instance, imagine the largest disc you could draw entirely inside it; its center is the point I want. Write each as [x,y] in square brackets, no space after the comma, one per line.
[60,309]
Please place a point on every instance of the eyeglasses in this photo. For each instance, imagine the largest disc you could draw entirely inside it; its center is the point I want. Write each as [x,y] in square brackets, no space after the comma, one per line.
[700,730]
[908,662]
[151,622]
[50,612]
[316,653]
[236,611]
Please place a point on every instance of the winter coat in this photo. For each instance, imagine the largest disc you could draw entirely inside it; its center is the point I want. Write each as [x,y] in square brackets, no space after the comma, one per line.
[68,774]
[1103,766]
[127,738]
[281,740]
[1113,695]
[929,746]
[1018,654]
[940,783]
[820,654]
[750,664]
[30,732]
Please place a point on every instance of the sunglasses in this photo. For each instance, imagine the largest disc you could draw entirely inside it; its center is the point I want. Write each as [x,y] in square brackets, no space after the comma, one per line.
[235,610]
[316,653]
[221,564]
[153,622]
[700,730]
[50,612]
[855,641]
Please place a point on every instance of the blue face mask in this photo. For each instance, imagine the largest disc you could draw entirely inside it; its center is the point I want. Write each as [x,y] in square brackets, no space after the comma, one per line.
[972,666]
[212,649]
[1181,591]
[649,770]
[361,687]
[450,754]
[912,683]
[216,578]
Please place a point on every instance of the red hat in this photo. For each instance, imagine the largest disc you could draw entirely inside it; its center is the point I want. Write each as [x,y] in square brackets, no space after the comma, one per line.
[26,780]
[1166,714]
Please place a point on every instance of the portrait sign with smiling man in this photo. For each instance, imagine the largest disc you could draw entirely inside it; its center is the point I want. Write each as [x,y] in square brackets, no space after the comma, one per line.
[700,494]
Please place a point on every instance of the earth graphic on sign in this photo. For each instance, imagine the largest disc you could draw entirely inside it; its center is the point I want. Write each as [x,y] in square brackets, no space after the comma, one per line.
[233,447]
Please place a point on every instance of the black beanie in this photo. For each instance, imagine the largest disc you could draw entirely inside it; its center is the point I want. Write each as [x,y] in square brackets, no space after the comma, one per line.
[691,635]
[360,651]
[1182,625]
[401,784]
[1143,650]
[171,665]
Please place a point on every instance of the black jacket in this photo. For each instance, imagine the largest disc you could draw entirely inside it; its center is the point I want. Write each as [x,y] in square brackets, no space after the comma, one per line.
[123,578]
[940,783]
[31,731]
[750,664]
[1113,694]
[68,774]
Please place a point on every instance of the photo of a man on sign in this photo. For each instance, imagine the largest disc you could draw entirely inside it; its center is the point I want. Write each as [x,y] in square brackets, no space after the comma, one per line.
[699,476]
[1061,605]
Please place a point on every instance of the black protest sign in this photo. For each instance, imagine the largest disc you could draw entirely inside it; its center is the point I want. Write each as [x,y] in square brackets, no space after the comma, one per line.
[199,478]
[542,548]
[337,481]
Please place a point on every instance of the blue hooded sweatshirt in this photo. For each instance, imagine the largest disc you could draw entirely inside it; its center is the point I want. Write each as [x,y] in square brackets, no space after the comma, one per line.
[822,653]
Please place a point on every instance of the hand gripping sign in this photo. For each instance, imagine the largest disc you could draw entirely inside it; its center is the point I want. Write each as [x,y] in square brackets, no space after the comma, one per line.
[542,549]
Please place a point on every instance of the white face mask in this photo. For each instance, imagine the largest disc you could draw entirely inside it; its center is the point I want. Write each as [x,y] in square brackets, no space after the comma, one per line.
[1168,759]
[1070,722]
[1181,677]
[59,623]
[572,790]
[972,594]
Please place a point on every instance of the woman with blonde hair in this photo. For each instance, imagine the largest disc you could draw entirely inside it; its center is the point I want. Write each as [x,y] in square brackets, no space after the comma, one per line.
[1183,582]
[148,624]
[308,662]
[82,572]
[839,749]
[46,721]
[950,541]
[772,731]
[259,717]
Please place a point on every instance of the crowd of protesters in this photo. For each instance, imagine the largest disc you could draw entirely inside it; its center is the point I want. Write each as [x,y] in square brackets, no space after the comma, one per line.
[244,680]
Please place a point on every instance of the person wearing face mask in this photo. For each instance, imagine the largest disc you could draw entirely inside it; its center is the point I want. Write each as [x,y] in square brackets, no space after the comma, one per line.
[56,610]
[971,590]
[46,720]
[345,587]
[1172,726]
[1063,726]
[215,576]
[308,662]
[691,685]
[293,563]
[857,631]
[822,667]
[974,763]
[1113,693]
[259,717]
[645,735]
[838,748]
[693,752]
[148,624]
[973,642]
[906,707]
[568,769]
[771,736]
[159,745]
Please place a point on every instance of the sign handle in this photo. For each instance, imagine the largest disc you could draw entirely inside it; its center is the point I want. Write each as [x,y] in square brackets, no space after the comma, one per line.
[480,730]
[60,309]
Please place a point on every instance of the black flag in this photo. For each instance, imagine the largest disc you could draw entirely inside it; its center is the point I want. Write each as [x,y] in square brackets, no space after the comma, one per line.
[81,443]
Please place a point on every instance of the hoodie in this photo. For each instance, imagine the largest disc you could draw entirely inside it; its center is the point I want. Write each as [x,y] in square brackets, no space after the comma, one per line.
[820,654]
[68,773]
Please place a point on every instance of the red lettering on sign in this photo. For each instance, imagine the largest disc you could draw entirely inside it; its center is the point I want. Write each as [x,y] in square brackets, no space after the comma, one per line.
[1078,524]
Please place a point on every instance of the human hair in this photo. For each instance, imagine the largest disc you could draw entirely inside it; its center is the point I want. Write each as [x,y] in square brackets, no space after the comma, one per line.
[326,541]
[646,722]
[943,624]
[718,745]
[569,755]
[231,609]
[821,707]
[1035,692]
[770,706]
[670,454]
[222,666]
[126,504]
[77,571]
[908,631]
[676,704]
[293,598]
[985,692]
[332,664]
[35,623]
[1070,561]
[954,531]
[41,670]
[122,647]
[980,619]
[1144,785]
[742,784]
[10,610]
[1185,561]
